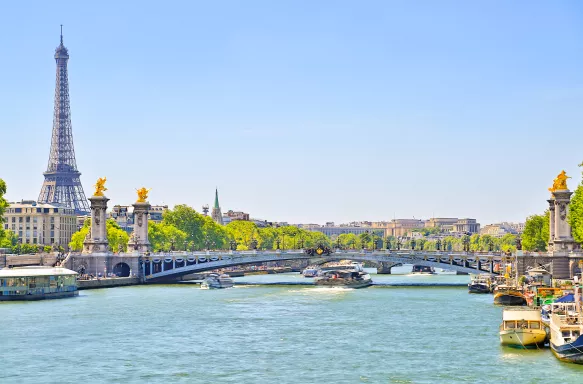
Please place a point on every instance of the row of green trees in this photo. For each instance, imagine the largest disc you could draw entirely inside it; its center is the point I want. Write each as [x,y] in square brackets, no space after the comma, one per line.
[183,228]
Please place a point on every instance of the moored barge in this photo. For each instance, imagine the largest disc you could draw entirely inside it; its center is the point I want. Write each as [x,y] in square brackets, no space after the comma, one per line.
[37,283]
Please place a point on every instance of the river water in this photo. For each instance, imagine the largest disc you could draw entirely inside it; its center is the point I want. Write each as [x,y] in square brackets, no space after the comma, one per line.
[269,334]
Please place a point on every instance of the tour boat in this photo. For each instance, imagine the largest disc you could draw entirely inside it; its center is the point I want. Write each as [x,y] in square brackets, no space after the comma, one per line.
[566,326]
[566,332]
[344,276]
[479,284]
[37,283]
[422,270]
[216,281]
[522,327]
[508,295]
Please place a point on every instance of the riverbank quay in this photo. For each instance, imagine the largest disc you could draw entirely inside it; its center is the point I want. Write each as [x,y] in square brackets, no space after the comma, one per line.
[107,283]
[311,284]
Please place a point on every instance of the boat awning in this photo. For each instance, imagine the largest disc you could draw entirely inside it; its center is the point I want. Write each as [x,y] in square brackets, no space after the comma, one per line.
[35,271]
[569,298]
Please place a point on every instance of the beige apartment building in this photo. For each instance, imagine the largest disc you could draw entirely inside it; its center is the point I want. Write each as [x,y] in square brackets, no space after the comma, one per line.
[398,227]
[46,224]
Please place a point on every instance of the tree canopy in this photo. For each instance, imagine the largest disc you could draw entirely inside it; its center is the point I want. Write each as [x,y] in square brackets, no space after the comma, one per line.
[536,233]
[116,236]
[3,206]
[189,221]
[576,213]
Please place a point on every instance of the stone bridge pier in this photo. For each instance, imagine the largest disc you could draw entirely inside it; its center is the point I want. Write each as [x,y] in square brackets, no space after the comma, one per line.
[384,267]
[123,265]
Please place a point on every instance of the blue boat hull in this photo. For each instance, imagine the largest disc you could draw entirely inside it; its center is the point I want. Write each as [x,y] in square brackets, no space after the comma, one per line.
[570,352]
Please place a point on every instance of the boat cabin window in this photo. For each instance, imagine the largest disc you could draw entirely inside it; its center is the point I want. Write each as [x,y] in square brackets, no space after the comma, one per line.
[510,324]
[534,325]
[566,334]
[575,333]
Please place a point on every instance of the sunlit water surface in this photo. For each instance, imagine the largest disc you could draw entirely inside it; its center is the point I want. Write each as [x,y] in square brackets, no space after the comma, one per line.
[269,334]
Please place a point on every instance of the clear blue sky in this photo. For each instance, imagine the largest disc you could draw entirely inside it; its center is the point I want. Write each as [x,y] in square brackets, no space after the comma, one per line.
[303,111]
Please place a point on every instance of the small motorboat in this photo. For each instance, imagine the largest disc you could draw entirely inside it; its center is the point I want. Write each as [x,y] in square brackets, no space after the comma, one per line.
[310,272]
[522,328]
[422,270]
[351,276]
[479,284]
[216,281]
[566,326]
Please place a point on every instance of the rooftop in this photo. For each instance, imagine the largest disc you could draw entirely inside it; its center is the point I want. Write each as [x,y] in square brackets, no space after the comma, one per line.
[35,271]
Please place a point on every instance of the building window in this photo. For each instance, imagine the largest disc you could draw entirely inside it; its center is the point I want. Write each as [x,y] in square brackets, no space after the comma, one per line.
[18,210]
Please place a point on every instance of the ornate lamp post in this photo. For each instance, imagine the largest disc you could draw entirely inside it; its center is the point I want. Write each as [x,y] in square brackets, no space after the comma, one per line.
[277,243]
[438,244]
[338,243]
[207,243]
[388,243]
[412,244]
[233,245]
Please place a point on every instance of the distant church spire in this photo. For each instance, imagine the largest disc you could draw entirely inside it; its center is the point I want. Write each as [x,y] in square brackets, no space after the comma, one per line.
[217,215]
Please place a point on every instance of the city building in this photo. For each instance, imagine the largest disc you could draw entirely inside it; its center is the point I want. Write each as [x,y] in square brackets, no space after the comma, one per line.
[124,215]
[466,226]
[235,215]
[501,229]
[330,230]
[62,184]
[43,224]
[445,223]
[398,227]
[216,214]
[518,227]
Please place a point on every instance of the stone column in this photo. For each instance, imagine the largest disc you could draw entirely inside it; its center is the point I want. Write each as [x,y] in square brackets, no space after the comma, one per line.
[96,241]
[551,222]
[139,238]
[563,241]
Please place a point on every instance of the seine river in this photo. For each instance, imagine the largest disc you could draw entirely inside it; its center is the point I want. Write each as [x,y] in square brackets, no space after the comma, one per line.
[269,334]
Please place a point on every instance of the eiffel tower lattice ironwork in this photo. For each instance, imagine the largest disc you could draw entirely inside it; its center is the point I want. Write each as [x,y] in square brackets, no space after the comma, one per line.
[62,179]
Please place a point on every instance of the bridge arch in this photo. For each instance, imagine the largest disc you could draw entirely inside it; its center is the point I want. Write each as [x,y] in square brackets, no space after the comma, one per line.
[121,270]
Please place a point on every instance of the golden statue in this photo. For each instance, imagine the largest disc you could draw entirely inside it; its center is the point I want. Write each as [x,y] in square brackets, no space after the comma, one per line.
[142,194]
[560,182]
[100,186]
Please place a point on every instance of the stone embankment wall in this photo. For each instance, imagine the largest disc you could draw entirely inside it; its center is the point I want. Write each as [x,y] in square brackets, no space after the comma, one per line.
[108,283]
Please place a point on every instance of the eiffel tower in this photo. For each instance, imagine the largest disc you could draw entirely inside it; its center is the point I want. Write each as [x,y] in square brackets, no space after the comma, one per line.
[62,183]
